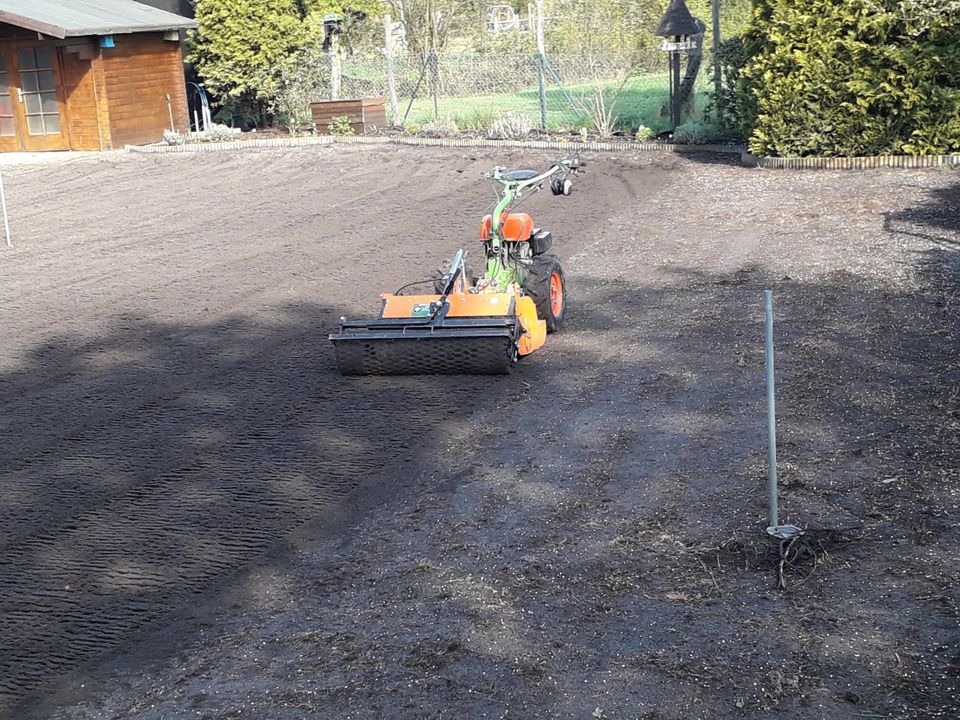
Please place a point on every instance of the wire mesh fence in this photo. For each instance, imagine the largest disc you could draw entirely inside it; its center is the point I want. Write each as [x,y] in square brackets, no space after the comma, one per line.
[471,90]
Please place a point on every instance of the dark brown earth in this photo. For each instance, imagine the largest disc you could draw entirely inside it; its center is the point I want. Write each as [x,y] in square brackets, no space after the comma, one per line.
[200,518]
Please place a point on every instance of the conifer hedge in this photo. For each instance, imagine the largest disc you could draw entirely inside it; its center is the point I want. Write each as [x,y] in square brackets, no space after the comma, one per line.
[851,77]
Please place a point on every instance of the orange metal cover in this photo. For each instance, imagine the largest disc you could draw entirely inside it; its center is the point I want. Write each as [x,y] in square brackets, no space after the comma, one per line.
[465,305]
[534,329]
[517,227]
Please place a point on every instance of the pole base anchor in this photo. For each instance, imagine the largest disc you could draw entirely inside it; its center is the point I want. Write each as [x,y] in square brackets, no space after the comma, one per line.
[784,532]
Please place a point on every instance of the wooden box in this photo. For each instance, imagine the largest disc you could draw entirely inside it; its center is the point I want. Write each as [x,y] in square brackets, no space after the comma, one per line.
[365,114]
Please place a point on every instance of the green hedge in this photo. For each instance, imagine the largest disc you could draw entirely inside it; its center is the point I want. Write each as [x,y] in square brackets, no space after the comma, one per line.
[852,77]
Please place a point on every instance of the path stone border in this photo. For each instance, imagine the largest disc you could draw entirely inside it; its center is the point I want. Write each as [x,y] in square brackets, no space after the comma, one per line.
[850,163]
[598,146]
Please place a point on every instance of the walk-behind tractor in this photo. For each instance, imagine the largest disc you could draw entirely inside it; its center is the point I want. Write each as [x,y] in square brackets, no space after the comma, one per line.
[478,325]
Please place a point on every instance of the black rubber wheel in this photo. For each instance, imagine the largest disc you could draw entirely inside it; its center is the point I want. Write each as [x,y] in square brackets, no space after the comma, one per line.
[547,288]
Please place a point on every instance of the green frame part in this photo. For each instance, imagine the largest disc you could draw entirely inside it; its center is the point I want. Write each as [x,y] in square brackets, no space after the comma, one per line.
[498,273]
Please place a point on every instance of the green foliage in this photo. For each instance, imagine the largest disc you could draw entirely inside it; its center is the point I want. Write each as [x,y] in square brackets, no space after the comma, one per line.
[853,77]
[643,133]
[734,106]
[478,120]
[340,125]
[244,49]
[303,80]
[241,45]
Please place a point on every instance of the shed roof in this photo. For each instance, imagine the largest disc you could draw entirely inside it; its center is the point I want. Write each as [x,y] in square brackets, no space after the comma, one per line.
[677,20]
[71,18]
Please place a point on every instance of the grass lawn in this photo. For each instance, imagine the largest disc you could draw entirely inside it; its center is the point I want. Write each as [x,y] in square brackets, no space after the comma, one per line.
[643,101]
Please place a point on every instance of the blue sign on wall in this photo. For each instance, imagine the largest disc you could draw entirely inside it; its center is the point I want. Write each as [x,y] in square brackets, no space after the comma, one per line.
[106,41]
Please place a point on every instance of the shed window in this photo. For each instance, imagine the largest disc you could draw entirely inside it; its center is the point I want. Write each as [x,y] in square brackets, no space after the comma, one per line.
[6,103]
[39,92]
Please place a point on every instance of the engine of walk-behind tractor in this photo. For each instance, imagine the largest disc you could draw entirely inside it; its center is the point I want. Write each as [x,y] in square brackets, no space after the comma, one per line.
[472,325]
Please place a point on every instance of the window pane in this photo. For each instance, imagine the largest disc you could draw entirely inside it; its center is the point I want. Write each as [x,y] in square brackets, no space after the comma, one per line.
[35,124]
[6,106]
[52,123]
[29,81]
[6,126]
[44,58]
[26,60]
[32,103]
[48,101]
[3,63]
[46,81]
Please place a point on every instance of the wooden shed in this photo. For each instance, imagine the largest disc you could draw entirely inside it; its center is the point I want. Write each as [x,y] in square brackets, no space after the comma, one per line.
[89,75]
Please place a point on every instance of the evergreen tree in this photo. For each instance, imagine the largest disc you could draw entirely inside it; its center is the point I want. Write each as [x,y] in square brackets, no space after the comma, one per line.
[241,46]
[854,77]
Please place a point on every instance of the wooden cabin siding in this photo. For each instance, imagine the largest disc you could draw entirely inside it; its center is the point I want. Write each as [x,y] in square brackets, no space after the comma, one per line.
[139,73]
[83,86]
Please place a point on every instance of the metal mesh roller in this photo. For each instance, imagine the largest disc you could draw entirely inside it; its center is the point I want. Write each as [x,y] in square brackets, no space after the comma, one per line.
[426,355]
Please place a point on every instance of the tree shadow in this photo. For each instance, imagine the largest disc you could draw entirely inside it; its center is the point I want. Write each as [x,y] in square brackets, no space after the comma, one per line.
[145,466]
[934,227]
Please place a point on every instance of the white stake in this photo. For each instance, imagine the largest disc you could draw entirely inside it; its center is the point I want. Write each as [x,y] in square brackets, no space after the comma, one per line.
[6,220]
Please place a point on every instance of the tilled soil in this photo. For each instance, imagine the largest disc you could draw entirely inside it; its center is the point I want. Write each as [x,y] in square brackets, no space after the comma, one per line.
[201,518]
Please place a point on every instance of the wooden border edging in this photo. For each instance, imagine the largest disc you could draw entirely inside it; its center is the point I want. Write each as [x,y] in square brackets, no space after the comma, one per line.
[849,163]
[434,142]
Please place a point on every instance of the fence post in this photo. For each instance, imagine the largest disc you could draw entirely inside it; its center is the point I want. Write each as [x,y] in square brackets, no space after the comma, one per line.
[435,82]
[675,89]
[435,74]
[391,78]
[715,10]
[336,70]
[541,52]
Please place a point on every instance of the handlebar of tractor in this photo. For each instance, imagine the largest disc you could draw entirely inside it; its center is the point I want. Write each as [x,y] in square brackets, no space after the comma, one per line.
[512,189]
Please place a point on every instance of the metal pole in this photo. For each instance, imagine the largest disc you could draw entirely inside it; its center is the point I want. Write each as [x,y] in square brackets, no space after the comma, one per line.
[435,74]
[6,220]
[715,9]
[391,79]
[675,87]
[541,53]
[771,410]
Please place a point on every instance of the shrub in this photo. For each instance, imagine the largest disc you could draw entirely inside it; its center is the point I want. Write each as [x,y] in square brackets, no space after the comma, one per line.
[218,133]
[694,132]
[643,133]
[440,128]
[172,137]
[510,126]
[340,125]
[855,77]
[478,120]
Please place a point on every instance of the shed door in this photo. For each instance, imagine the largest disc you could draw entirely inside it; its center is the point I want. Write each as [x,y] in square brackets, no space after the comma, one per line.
[9,137]
[39,99]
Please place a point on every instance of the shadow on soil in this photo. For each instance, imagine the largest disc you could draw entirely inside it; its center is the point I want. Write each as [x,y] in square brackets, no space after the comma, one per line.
[153,463]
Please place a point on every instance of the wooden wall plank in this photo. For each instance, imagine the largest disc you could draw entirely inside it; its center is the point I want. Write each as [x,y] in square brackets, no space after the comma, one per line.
[80,96]
[139,73]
